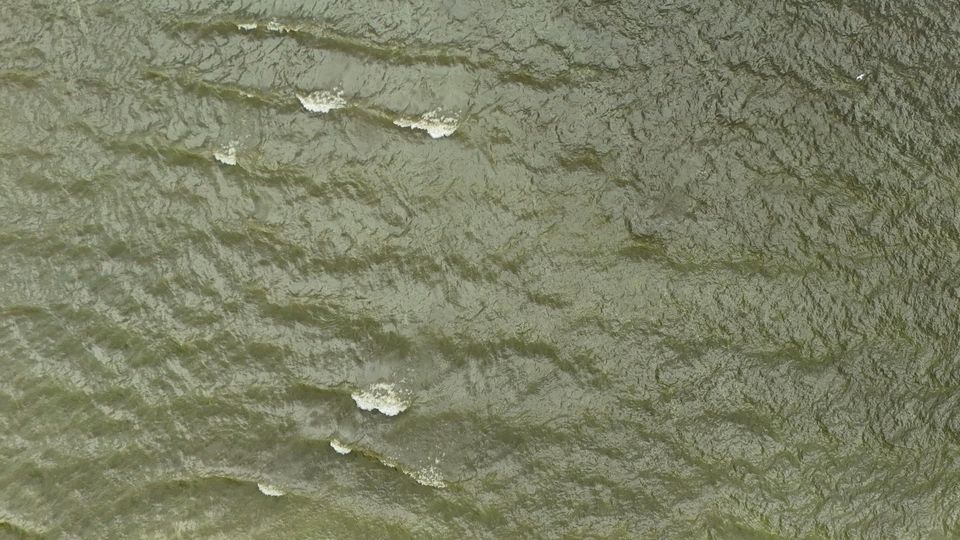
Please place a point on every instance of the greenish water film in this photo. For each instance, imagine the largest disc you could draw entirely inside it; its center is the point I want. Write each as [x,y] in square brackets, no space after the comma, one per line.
[512,269]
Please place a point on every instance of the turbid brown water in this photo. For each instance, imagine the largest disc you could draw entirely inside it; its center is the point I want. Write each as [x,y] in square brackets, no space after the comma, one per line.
[615,269]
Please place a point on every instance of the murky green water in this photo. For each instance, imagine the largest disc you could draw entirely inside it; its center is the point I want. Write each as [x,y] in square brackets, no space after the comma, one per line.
[667,270]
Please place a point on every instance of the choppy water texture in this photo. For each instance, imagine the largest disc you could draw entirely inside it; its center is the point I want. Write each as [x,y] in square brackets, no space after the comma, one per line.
[616,269]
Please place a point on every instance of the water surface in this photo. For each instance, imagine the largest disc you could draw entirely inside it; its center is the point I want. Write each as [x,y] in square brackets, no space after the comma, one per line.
[629,269]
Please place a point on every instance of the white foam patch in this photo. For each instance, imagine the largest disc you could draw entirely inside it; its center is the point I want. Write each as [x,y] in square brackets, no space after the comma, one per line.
[270,491]
[429,476]
[322,101]
[382,397]
[275,26]
[433,122]
[247,26]
[227,155]
[339,447]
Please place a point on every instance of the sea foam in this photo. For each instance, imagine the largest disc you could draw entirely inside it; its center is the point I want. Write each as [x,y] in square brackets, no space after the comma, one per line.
[339,447]
[322,101]
[275,26]
[428,476]
[382,397]
[434,123]
[227,155]
[270,491]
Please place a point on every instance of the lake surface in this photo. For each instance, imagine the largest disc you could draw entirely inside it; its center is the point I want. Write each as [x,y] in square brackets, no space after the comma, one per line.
[510,269]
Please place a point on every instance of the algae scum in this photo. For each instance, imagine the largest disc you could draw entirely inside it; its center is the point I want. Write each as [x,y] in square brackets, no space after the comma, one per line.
[479,270]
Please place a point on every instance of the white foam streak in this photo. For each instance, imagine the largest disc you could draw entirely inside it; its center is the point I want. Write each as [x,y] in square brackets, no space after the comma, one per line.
[434,123]
[270,491]
[247,26]
[429,476]
[382,397]
[275,26]
[322,101]
[227,155]
[339,447]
